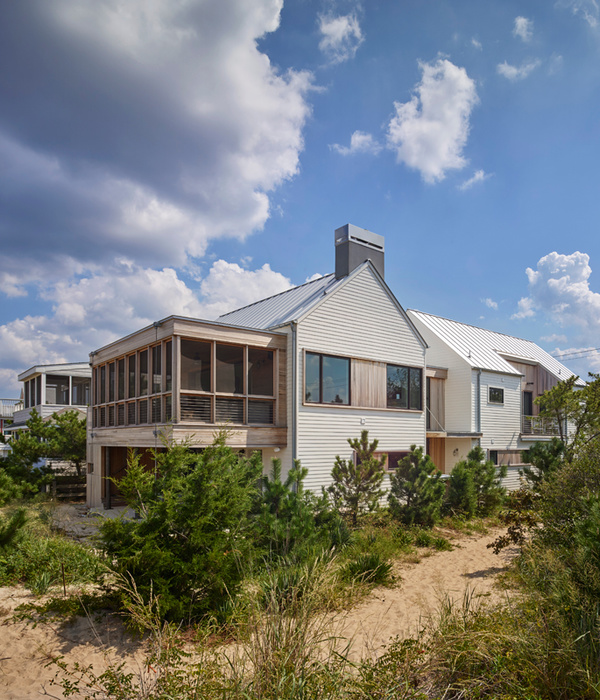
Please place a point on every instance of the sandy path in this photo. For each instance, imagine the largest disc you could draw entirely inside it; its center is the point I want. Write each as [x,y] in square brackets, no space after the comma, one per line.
[25,650]
[401,611]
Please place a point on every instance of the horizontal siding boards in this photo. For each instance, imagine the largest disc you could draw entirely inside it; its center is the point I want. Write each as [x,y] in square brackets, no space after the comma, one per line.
[501,422]
[196,435]
[323,433]
[360,320]
[512,480]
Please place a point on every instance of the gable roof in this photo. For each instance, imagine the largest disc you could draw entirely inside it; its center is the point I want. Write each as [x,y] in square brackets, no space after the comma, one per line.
[294,304]
[489,350]
[284,307]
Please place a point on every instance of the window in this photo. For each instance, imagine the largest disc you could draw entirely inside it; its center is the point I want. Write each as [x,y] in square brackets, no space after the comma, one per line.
[111,381]
[260,372]
[80,391]
[156,370]
[143,373]
[57,390]
[404,387]
[195,365]
[392,459]
[327,379]
[131,377]
[495,395]
[121,378]
[230,369]
[168,366]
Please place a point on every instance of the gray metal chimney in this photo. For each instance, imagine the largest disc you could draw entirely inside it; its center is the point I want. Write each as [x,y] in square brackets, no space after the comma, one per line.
[354,245]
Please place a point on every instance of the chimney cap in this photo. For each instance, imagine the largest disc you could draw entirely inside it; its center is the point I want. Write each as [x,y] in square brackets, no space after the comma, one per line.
[350,232]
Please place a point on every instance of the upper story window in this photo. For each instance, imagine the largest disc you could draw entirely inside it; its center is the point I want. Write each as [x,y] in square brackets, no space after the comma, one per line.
[327,379]
[495,395]
[80,391]
[57,390]
[196,365]
[230,369]
[404,387]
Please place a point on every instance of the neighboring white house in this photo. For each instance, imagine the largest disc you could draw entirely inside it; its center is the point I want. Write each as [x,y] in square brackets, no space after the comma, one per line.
[53,388]
[7,410]
[487,396]
[293,376]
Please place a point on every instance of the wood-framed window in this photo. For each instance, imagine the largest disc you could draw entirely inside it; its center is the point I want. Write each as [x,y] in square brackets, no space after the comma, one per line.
[392,458]
[326,379]
[495,395]
[227,382]
[404,387]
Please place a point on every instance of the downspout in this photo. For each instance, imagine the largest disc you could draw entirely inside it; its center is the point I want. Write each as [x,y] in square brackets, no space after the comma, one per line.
[479,405]
[294,326]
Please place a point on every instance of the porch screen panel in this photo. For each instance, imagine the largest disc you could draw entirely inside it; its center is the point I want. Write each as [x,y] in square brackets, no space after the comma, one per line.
[195,365]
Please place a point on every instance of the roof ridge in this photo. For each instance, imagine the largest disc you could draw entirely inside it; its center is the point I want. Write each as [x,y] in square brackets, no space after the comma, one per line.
[479,328]
[273,296]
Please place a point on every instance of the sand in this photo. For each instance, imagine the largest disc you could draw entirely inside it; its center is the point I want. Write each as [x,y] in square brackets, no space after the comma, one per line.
[26,650]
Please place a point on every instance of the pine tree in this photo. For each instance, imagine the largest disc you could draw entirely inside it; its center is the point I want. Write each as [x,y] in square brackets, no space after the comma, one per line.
[461,496]
[356,483]
[545,459]
[416,492]
[487,479]
[286,515]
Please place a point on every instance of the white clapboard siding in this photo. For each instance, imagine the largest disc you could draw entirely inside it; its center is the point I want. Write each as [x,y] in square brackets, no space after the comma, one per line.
[501,423]
[323,432]
[512,480]
[361,320]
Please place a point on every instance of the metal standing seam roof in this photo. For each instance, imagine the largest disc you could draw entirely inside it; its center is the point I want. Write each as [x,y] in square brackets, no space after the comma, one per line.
[483,349]
[284,307]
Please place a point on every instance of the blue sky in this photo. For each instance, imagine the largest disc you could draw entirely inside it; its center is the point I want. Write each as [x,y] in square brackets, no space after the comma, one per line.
[189,157]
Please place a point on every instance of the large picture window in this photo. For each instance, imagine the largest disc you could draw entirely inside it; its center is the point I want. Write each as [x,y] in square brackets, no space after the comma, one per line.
[404,387]
[327,379]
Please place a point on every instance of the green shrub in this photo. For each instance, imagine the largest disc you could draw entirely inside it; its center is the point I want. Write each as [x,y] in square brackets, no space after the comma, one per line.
[368,568]
[545,459]
[291,520]
[416,491]
[195,532]
[356,482]
[461,497]
[32,556]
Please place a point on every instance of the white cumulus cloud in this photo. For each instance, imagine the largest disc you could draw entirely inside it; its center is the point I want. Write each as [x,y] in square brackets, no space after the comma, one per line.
[360,142]
[559,291]
[517,72]
[523,28]
[103,306]
[170,128]
[341,36]
[429,132]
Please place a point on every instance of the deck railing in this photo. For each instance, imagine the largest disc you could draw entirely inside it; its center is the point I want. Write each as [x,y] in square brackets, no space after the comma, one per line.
[538,425]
